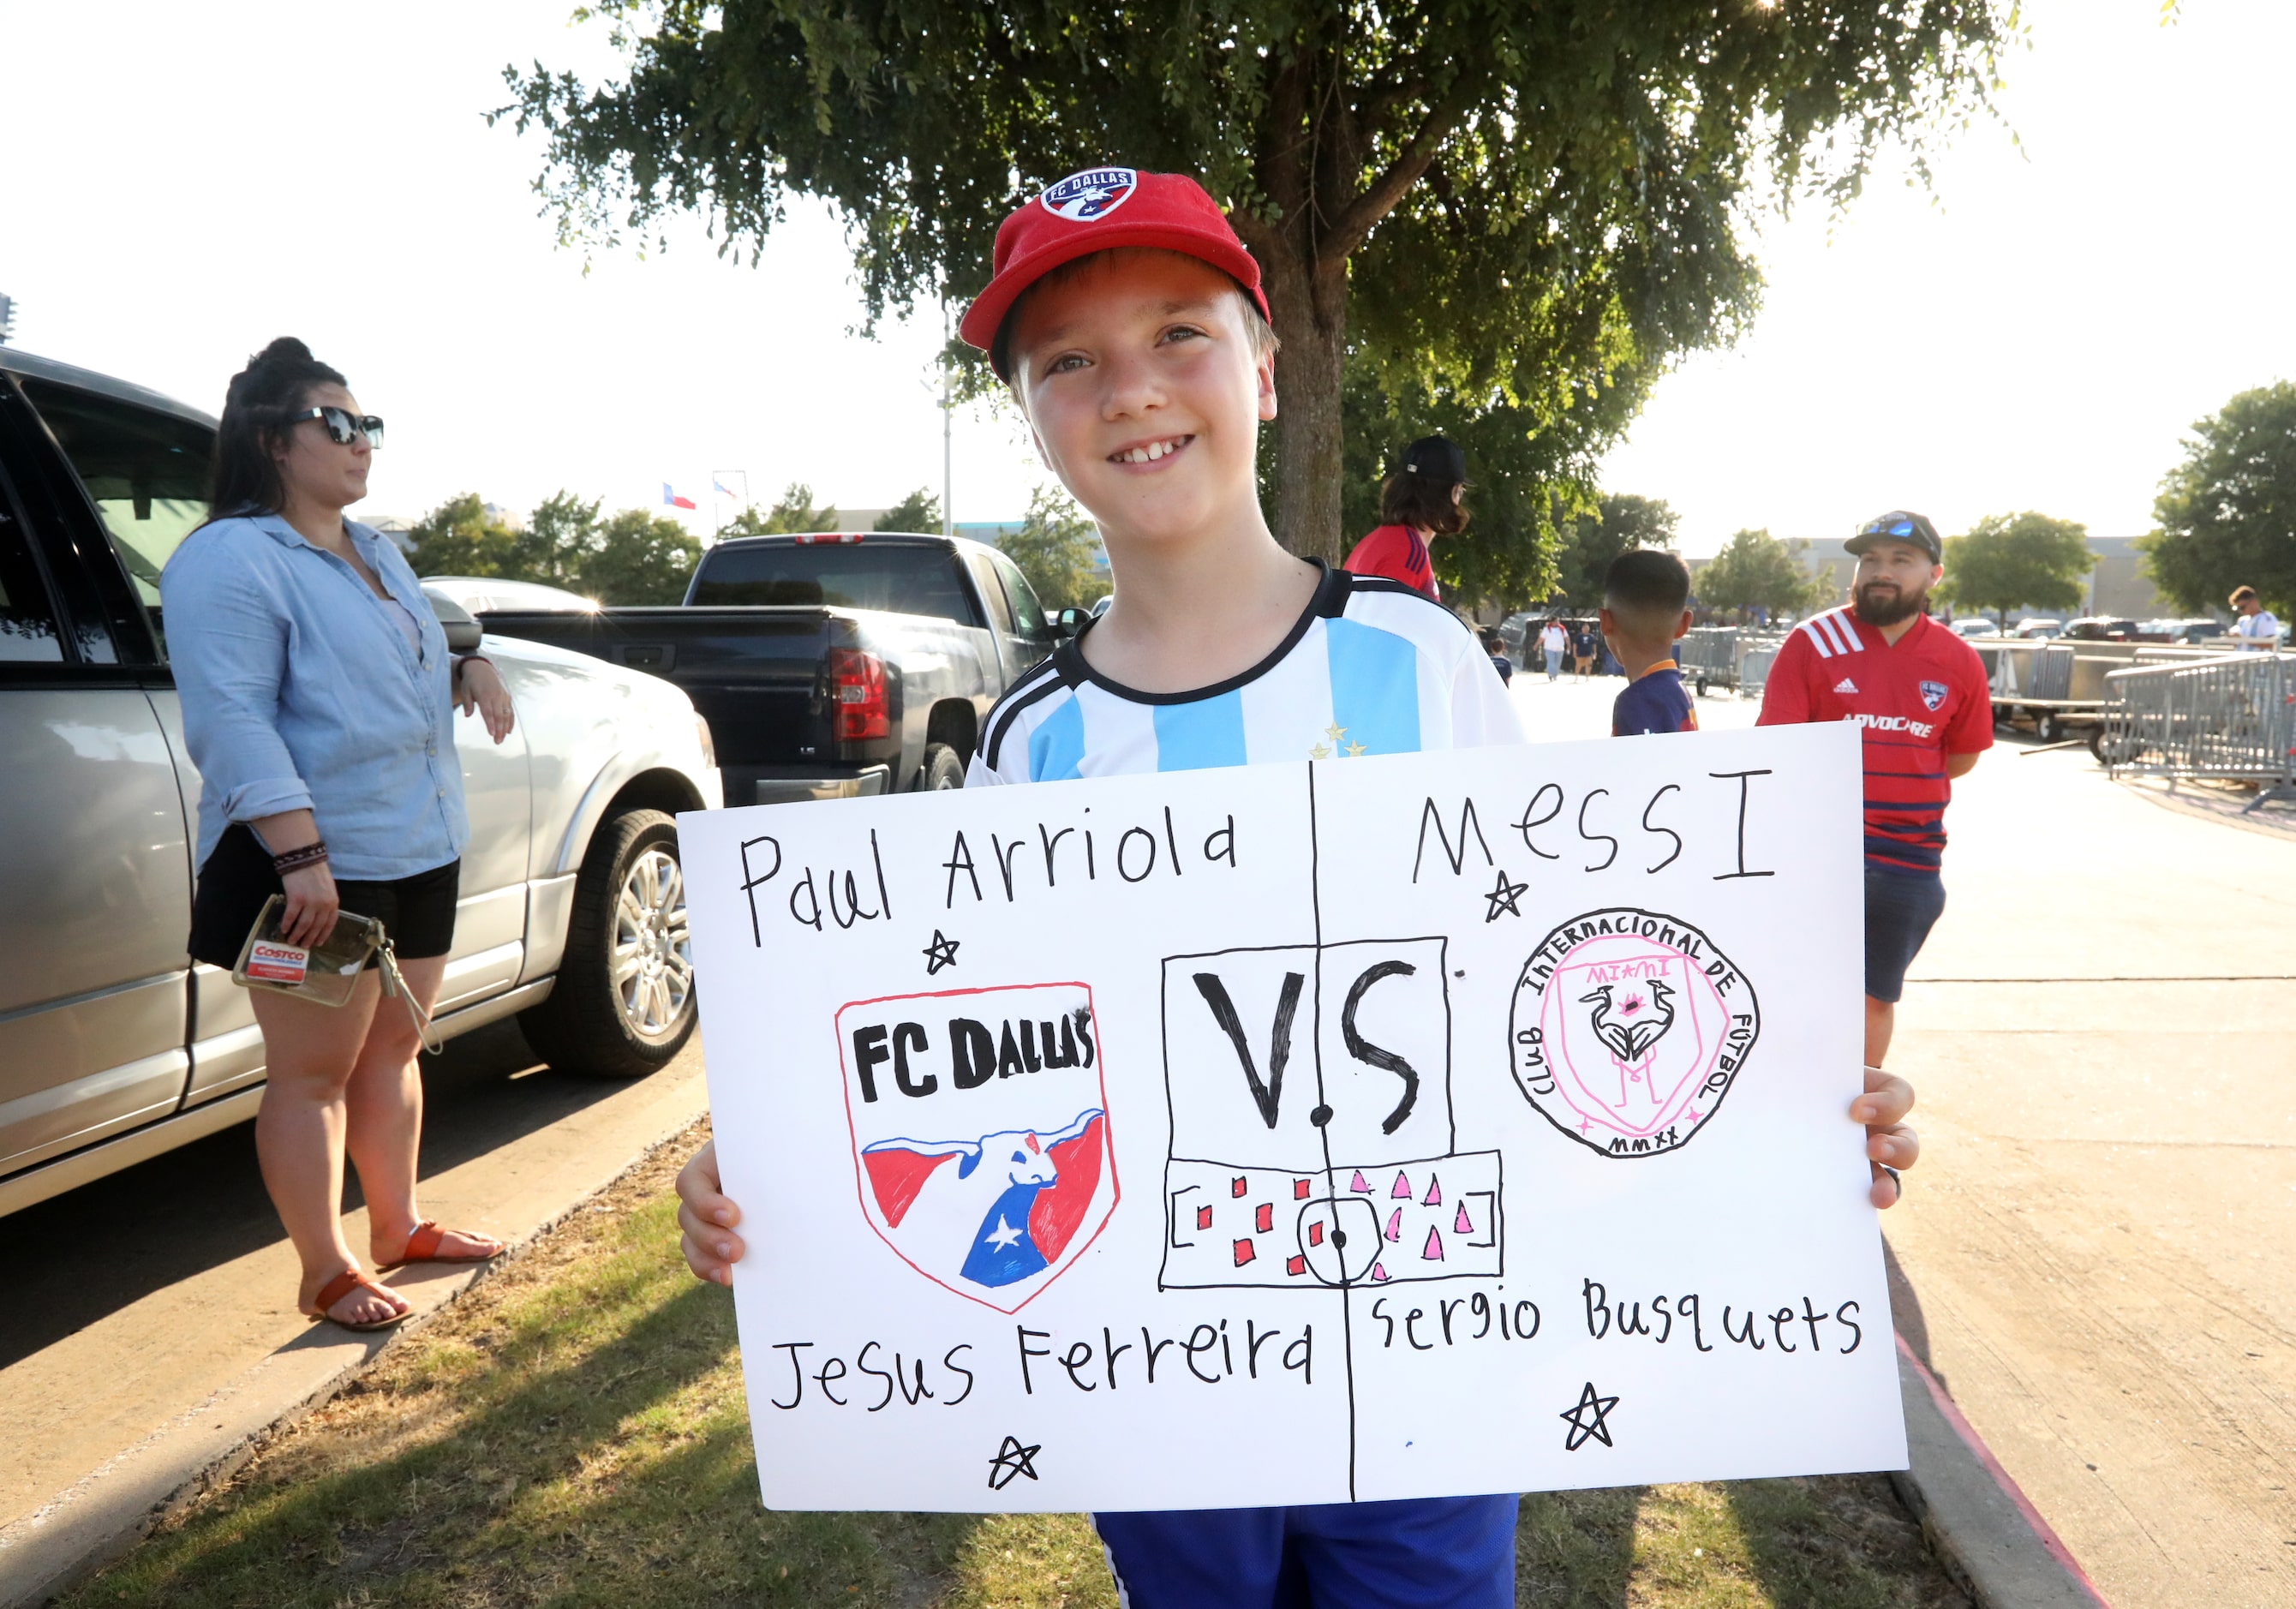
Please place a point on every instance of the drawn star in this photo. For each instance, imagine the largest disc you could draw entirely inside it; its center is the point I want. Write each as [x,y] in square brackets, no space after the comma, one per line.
[1354,749]
[941,952]
[1586,1419]
[1013,1459]
[1319,752]
[1004,1235]
[1502,898]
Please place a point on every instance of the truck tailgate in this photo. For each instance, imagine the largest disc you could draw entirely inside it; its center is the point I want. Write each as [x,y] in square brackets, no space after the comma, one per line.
[753,673]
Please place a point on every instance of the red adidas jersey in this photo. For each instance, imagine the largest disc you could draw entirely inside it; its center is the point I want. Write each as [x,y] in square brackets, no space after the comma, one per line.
[1396,553]
[1919,700]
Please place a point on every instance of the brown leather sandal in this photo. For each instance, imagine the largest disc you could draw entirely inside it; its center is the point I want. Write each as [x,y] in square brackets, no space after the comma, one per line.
[422,1245]
[351,1279]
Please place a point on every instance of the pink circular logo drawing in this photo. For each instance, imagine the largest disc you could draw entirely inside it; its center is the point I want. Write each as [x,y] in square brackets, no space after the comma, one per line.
[1627,1029]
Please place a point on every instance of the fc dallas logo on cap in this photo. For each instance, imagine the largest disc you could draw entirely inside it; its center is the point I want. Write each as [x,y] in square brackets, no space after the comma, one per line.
[1094,193]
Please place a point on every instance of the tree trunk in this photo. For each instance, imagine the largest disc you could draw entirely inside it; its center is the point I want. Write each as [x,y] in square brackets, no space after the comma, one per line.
[1308,439]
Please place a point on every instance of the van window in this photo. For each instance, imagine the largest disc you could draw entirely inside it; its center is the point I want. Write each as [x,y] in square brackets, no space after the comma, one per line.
[28,622]
[147,473]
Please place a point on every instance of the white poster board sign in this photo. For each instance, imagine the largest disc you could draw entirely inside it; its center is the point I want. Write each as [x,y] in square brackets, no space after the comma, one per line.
[1426,1125]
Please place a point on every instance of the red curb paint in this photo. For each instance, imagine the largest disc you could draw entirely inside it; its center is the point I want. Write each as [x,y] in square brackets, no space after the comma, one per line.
[1983,1453]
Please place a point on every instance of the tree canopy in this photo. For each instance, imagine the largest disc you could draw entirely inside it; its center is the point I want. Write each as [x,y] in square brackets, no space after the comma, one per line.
[1619,523]
[2009,562]
[2227,514]
[1754,571]
[634,557]
[1053,549]
[791,513]
[920,510]
[1513,209]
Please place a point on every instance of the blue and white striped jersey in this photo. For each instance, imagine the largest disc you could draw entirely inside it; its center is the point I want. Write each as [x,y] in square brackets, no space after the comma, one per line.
[1372,668]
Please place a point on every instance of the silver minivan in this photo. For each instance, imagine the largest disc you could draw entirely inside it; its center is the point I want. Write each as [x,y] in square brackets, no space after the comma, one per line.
[113,1046]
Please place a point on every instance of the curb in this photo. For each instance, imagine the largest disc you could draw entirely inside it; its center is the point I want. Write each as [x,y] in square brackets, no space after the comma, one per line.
[1985,1530]
[101,1518]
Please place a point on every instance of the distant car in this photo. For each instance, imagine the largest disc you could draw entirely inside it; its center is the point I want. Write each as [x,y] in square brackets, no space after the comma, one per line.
[2040,628]
[484,595]
[1515,633]
[1975,626]
[2100,629]
[2197,631]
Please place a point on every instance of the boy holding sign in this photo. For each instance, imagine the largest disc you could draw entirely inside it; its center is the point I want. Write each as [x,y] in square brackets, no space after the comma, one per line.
[1129,322]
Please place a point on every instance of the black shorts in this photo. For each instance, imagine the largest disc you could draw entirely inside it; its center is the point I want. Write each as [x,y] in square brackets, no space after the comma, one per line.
[1900,912]
[417,913]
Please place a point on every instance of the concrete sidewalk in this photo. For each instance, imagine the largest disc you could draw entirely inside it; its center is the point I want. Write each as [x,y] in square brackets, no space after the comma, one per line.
[171,1380]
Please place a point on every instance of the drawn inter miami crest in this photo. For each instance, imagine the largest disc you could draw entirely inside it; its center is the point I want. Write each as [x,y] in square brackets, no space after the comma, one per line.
[1933,694]
[1627,1029]
[1094,193]
[980,1124]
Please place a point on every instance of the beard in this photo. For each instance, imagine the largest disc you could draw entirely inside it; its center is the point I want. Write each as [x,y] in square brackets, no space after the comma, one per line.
[1884,604]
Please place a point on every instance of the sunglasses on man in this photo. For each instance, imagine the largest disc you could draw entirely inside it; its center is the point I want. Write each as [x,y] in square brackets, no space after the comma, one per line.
[342,424]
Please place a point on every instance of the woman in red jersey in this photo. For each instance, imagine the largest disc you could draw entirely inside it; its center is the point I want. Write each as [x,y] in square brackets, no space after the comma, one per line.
[1419,503]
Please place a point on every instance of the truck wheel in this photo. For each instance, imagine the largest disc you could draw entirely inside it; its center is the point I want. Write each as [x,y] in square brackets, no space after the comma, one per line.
[942,769]
[624,1001]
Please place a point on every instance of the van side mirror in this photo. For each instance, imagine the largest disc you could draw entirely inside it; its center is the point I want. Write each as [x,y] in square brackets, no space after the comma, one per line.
[462,629]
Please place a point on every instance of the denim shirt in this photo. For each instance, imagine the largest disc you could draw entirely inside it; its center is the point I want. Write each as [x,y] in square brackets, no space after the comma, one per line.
[299,692]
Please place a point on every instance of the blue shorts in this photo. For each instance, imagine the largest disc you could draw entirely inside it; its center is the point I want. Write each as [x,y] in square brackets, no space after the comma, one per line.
[1900,909]
[1421,1553]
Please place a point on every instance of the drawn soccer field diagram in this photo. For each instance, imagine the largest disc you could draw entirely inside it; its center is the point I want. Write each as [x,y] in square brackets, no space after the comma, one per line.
[1301,1132]
[1309,1091]
[995,1214]
[1628,1028]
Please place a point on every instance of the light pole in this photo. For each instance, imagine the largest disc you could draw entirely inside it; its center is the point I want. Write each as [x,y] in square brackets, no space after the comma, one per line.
[948,506]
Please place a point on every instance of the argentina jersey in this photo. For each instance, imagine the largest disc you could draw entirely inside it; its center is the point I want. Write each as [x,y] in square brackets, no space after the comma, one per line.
[1372,668]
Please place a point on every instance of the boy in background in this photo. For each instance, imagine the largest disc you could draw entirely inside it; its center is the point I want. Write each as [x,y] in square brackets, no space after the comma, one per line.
[1646,611]
[1497,648]
[1128,321]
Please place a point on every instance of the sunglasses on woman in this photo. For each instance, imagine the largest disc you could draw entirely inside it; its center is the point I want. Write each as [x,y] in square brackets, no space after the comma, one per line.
[342,424]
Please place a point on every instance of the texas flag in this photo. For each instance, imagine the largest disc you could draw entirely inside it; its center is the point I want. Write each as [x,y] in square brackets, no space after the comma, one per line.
[671,499]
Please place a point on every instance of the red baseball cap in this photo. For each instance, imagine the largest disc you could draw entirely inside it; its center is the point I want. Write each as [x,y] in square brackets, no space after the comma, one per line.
[1099,209]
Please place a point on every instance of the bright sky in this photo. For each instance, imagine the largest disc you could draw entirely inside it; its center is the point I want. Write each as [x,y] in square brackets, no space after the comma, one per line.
[2037,333]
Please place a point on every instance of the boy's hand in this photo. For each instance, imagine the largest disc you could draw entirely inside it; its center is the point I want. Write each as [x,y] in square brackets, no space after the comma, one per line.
[1882,1108]
[712,1247]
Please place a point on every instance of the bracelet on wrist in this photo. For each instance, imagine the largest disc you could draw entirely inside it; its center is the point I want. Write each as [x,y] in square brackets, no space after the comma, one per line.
[461,660]
[295,859]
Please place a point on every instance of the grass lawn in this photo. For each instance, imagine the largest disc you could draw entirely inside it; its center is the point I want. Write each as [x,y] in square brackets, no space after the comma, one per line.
[572,1432]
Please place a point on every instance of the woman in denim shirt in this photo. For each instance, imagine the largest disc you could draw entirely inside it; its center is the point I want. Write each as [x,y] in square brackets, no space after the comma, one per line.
[318,701]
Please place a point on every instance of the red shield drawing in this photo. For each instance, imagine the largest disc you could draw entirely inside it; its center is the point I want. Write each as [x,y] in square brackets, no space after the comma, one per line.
[979,1128]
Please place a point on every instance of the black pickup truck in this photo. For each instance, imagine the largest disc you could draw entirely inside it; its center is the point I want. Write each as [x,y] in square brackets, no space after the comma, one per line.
[830,665]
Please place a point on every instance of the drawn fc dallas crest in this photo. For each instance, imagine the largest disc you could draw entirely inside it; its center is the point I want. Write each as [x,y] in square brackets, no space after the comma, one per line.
[1627,1029]
[980,1125]
[1933,694]
[1095,193]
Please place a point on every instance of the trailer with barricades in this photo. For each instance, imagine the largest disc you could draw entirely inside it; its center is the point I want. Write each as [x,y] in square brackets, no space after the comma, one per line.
[1735,656]
[2229,718]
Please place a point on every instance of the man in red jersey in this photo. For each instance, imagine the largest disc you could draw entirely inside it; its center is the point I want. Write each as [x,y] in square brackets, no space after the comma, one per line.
[1920,693]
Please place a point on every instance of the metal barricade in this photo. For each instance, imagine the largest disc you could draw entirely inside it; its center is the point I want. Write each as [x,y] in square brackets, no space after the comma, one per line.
[1736,657]
[2231,717]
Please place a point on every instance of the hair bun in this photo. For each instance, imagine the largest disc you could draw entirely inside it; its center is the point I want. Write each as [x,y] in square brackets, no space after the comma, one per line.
[286,350]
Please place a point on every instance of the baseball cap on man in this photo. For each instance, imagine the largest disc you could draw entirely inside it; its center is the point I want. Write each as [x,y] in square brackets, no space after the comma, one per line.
[1898,526]
[1100,209]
